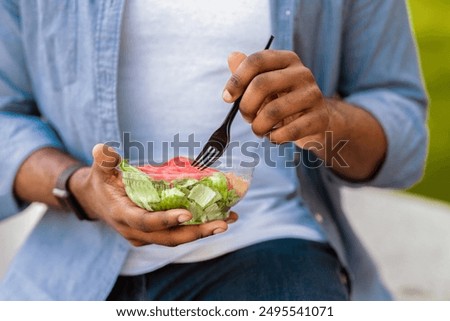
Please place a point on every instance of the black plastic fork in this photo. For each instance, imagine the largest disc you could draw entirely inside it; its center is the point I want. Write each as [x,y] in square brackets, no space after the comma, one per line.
[220,139]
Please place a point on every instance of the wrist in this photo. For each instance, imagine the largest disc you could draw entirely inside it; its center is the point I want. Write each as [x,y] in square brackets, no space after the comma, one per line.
[77,185]
[63,194]
[357,142]
[78,181]
[339,123]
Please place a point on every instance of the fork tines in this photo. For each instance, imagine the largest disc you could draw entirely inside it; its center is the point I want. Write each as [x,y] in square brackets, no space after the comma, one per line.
[208,155]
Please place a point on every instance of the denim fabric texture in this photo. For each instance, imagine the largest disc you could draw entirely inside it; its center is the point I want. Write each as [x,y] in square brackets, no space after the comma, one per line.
[284,269]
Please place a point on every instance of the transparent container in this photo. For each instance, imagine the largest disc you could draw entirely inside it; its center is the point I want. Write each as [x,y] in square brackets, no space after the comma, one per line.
[208,194]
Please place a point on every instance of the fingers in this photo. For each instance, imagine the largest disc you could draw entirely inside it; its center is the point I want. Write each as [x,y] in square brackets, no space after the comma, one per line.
[178,235]
[168,231]
[282,110]
[281,97]
[146,221]
[269,85]
[253,65]
[235,59]
[141,227]
[233,217]
[307,125]
[105,158]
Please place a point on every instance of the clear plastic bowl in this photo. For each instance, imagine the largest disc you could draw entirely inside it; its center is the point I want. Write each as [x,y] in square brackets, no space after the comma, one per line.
[208,194]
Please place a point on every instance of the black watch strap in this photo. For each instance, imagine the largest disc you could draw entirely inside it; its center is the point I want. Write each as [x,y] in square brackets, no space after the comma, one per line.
[64,195]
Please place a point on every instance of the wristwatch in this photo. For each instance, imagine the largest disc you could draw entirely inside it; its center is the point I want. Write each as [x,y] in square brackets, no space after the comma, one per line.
[65,197]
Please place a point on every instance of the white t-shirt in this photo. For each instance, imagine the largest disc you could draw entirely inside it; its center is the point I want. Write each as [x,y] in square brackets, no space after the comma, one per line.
[172,70]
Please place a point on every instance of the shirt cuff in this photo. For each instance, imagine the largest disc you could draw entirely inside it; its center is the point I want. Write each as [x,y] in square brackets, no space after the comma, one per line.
[20,136]
[403,122]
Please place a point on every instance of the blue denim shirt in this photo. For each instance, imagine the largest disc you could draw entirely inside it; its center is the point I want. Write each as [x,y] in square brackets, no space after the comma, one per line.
[58,74]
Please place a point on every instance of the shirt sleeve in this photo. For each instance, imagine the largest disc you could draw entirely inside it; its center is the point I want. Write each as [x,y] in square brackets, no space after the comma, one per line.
[22,130]
[380,73]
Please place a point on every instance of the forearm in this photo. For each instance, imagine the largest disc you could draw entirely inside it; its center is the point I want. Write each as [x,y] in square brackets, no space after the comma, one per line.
[37,175]
[355,145]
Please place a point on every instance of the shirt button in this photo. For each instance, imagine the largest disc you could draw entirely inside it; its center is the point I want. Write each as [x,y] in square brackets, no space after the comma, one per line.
[319,217]
[288,12]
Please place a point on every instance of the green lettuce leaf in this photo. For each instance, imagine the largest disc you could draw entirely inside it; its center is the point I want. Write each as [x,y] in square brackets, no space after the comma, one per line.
[203,195]
[209,198]
[139,187]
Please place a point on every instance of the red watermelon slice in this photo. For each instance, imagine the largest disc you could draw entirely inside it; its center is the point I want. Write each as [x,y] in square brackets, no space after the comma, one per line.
[176,168]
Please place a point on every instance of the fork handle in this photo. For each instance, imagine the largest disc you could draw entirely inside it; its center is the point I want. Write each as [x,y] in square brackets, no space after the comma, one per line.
[231,114]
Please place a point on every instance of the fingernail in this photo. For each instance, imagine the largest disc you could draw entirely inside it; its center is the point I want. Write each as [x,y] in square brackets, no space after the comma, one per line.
[227,96]
[247,120]
[230,221]
[184,218]
[218,230]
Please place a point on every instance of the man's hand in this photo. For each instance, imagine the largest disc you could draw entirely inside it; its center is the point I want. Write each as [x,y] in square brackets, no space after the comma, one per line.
[100,192]
[283,102]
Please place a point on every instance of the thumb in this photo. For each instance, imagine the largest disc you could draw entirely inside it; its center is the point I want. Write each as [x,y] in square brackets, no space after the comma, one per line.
[234,60]
[105,158]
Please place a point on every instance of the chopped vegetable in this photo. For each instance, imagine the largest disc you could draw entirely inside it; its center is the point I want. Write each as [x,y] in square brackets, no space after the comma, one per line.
[207,194]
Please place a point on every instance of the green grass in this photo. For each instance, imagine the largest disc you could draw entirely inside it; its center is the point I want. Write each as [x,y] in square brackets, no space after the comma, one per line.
[431,23]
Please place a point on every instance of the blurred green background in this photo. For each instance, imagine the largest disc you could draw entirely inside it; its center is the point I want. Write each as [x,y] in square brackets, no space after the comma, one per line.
[431,23]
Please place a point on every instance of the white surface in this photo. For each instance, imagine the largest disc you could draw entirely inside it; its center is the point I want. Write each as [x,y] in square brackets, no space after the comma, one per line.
[408,236]
[14,230]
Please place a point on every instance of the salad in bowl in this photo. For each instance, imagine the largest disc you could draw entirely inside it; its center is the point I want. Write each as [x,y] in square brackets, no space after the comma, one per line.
[208,194]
